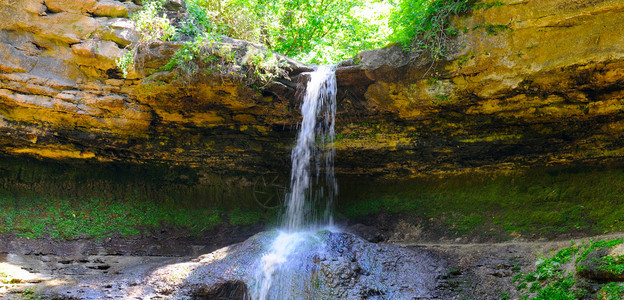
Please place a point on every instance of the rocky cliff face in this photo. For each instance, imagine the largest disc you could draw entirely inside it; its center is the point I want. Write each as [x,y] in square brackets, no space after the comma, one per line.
[526,83]
[63,97]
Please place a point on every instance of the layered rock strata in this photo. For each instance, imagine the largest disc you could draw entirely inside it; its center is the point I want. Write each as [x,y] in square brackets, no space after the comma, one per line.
[524,83]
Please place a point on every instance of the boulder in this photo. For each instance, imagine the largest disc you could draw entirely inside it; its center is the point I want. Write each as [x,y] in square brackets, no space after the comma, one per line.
[121,31]
[603,264]
[110,8]
[324,265]
[85,6]
[175,5]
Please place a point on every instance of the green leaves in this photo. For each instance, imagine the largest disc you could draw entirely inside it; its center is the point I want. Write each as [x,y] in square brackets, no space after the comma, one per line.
[153,24]
[423,25]
[312,31]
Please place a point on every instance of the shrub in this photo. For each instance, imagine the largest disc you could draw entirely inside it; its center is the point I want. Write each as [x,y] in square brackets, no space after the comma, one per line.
[424,25]
[152,24]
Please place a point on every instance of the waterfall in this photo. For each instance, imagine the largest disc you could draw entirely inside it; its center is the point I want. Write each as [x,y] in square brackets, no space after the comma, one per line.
[317,129]
[309,191]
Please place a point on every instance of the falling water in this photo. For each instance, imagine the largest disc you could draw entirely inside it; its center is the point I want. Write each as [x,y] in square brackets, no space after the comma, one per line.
[317,129]
[309,190]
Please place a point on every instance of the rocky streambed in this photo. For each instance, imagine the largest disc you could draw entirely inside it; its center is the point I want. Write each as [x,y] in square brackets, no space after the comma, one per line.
[337,265]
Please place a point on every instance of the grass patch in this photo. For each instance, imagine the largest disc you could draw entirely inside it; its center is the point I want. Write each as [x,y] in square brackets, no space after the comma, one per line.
[64,218]
[96,218]
[70,201]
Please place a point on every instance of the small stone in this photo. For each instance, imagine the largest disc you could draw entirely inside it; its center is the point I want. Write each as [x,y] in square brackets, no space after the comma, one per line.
[114,82]
[121,31]
[84,49]
[82,6]
[123,37]
[35,7]
[111,9]
[108,50]
[175,5]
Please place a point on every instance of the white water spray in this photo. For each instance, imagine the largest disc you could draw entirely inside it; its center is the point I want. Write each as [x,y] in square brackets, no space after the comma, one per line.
[284,244]
[314,143]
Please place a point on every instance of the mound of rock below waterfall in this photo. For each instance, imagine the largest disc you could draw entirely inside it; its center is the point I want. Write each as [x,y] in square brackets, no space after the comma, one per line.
[324,265]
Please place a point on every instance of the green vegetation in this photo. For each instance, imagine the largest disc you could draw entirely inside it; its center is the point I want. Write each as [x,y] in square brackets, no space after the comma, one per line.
[201,48]
[153,24]
[29,294]
[7,278]
[84,201]
[536,203]
[315,31]
[125,62]
[100,218]
[554,279]
[612,264]
[609,264]
[464,59]
[550,280]
[611,291]
[74,201]
[97,218]
[424,25]
[598,245]
[318,31]
[311,31]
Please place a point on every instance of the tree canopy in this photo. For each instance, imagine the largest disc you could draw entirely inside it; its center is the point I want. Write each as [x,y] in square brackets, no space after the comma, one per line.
[314,31]
[311,31]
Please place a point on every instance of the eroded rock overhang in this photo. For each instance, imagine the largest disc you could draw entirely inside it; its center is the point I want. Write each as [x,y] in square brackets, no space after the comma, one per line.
[526,83]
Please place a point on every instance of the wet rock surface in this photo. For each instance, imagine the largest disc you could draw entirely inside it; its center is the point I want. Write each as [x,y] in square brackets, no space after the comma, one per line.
[483,271]
[342,266]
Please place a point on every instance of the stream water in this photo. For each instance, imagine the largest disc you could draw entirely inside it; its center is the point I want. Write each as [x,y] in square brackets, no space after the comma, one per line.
[310,197]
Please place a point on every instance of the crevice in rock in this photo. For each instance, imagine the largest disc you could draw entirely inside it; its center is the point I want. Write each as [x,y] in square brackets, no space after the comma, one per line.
[114,74]
[38,46]
[46,10]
